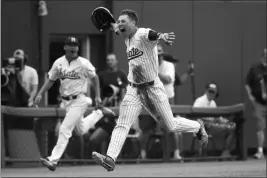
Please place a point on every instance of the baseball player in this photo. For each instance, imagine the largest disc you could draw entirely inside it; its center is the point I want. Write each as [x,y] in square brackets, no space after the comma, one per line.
[144,89]
[74,72]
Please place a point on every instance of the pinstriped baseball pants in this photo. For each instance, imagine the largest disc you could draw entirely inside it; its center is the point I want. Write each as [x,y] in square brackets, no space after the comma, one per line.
[155,101]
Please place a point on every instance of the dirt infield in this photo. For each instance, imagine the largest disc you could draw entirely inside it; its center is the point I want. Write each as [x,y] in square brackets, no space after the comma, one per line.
[250,168]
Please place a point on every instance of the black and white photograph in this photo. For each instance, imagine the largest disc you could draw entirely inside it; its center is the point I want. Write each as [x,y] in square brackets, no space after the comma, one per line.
[132,88]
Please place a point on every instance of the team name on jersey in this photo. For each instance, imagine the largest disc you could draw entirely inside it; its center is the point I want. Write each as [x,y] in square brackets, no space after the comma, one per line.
[63,74]
[134,53]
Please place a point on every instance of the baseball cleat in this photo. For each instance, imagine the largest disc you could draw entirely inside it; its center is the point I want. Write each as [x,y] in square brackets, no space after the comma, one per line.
[106,111]
[104,161]
[51,166]
[202,135]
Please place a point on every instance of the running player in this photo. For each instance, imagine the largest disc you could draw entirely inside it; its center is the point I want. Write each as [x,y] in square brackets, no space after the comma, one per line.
[145,88]
[74,72]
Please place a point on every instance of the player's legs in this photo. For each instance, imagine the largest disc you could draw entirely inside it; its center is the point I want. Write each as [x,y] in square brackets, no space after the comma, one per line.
[156,102]
[73,115]
[89,121]
[177,138]
[260,114]
[130,109]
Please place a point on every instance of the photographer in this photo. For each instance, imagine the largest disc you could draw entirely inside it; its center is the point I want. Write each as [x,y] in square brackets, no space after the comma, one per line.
[8,82]
[19,86]
[27,77]
[113,83]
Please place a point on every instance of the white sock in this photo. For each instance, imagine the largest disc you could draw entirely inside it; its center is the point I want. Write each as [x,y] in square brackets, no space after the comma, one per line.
[260,150]
[177,152]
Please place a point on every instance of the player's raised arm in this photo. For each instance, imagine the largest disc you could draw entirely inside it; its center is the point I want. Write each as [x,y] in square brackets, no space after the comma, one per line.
[115,28]
[167,38]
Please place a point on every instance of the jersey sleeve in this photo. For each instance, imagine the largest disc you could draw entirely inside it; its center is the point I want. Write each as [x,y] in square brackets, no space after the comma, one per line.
[143,34]
[53,74]
[89,69]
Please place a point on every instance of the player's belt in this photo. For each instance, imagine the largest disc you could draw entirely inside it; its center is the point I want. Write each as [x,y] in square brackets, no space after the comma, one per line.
[142,85]
[69,97]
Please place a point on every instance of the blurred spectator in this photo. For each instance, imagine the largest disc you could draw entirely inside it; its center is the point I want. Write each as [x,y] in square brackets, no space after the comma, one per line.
[9,82]
[20,81]
[167,76]
[216,124]
[20,88]
[167,73]
[28,80]
[170,79]
[256,90]
[113,82]
[27,77]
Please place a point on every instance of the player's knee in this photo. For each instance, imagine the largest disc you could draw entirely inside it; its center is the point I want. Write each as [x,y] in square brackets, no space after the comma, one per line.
[65,131]
[122,126]
[80,132]
[170,128]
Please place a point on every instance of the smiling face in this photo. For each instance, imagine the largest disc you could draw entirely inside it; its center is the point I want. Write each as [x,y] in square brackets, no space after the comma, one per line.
[127,22]
[126,25]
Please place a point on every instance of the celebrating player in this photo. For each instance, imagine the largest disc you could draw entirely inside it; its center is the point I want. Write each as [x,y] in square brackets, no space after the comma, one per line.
[74,72]
[145,88]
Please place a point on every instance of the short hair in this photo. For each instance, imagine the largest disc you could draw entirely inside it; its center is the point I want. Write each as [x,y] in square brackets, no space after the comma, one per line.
[213,85]
[132,14]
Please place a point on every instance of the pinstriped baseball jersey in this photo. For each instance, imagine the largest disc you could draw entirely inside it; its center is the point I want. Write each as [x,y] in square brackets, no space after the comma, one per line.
[143,57]
[73,75]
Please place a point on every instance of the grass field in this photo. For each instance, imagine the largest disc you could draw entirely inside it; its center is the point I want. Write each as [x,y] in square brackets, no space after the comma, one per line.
[250,168]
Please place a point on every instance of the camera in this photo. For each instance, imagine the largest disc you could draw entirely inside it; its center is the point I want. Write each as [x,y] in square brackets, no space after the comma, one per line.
[10,65]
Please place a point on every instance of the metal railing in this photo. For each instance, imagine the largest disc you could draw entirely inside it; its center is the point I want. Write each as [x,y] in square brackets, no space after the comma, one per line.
[237,111]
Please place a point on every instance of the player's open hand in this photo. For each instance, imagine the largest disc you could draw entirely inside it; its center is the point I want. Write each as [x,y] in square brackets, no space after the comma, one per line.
[114,27]
[168,38]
